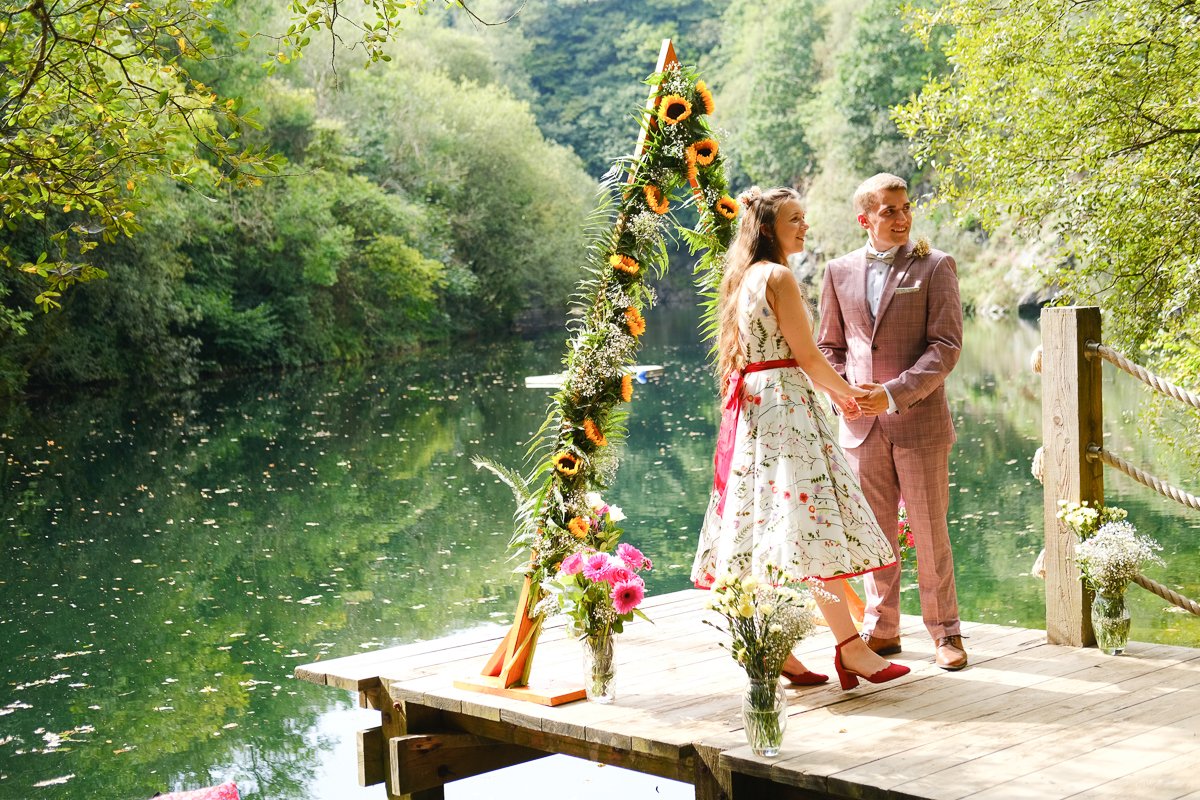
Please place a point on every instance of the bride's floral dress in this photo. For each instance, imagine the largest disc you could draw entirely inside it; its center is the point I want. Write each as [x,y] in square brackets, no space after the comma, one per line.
[791,497]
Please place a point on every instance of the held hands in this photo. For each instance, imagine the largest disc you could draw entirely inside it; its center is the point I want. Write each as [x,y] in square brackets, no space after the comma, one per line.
[848,404]
[875,400]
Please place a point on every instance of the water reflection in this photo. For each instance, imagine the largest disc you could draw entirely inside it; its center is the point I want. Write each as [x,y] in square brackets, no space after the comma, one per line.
[169,562]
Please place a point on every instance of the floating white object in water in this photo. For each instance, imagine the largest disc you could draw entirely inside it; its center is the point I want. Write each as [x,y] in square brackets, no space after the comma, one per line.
[640,372]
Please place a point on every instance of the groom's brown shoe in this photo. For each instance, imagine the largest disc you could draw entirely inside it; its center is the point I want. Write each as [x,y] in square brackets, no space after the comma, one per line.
[950,653]
[882,645]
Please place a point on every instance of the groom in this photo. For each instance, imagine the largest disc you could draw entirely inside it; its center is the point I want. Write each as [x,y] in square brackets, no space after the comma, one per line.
[890,315]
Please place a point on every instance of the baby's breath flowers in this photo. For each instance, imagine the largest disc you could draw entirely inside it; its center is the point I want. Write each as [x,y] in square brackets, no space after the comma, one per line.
[1114,556]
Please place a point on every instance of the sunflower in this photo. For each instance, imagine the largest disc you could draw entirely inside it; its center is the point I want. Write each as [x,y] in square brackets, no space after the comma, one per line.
[578,526]
[674,109]
[633,318]
[693,171]
[626,387]
[566,463]
[624,263]
[727,207]
[704,151]
[593,433]
[654,198]
[705,97]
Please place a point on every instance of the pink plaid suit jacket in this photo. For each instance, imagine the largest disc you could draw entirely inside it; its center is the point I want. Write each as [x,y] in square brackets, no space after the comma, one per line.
[910,346]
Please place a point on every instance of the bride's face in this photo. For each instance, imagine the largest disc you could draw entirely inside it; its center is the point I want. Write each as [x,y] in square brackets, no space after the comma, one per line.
[790,228]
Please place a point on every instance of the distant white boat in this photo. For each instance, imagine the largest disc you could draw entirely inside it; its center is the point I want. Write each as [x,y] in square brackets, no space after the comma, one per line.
[640,372]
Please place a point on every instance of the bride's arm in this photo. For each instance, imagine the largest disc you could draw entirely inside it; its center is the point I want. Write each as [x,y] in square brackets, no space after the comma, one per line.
[783,295]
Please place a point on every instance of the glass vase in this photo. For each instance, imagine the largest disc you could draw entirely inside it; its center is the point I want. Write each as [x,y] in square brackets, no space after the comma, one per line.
[1110,622]
[764,714]
[598,669]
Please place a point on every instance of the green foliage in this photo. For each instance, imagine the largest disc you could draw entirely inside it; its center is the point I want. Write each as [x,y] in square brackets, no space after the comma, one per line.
[881,66]
[95,98]
[1080,121]
[584,60]
[767,72]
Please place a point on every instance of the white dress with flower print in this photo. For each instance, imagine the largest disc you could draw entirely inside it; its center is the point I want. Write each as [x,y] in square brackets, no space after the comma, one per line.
[791,497]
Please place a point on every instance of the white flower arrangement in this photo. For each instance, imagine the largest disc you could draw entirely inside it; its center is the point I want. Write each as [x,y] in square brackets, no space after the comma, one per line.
[1114,556]
[766,618]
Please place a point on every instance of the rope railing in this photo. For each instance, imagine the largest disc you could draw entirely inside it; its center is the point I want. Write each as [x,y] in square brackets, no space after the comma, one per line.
[1186,603]
[1095,452]
[1094,349]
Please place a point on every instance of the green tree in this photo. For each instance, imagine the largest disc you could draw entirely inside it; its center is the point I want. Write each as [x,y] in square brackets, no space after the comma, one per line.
[880,65]
[1079,121]
[96,97]
[766,73]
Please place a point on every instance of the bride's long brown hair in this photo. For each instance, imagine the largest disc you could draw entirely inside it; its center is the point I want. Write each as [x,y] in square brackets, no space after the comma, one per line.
[754,242]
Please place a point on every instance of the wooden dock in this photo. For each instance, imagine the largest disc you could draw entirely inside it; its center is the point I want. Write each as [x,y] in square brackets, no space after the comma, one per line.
[1026,720]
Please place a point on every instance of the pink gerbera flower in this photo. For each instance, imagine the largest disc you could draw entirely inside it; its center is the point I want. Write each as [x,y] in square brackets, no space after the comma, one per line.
[628,595]
[595,566]
[632,557]
[617,572]
[572,564]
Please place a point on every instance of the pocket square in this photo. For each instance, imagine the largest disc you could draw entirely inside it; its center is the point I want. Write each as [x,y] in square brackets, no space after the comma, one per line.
[907,289]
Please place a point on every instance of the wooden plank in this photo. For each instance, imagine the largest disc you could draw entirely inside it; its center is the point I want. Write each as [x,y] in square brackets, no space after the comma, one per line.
[1072,418]
[420,762]
[1069,729]
[371,766]
[864,729]
[1139,754]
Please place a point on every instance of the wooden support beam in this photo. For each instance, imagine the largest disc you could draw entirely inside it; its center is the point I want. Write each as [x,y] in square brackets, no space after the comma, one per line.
[1072,418]
[371,766]
[398,719]
[423,761]
[711,780]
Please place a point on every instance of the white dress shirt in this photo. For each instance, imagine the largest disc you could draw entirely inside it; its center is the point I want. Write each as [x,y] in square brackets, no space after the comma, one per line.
[877,272]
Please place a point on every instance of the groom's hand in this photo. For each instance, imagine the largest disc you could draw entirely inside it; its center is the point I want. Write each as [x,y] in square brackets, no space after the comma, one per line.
[876,400]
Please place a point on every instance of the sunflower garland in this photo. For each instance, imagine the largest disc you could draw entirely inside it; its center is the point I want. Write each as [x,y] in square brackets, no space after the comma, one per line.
[576,450]
[705,97]
[655,199]
[674,109]
[703,152]
[727,207]
[635,321]
[578,526]
[624,264]
[592,431]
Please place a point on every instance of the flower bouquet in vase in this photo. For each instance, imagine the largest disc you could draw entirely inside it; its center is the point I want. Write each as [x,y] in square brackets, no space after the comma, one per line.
[764,620]
[1109,560]
[599,592]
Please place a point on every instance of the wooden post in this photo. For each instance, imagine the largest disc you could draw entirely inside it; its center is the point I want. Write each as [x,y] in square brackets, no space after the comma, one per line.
[1072,418]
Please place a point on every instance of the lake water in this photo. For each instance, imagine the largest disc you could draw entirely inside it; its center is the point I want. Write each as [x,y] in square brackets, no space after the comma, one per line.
[169,561]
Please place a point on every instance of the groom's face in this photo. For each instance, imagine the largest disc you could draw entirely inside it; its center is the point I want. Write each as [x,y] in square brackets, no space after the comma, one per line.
[889,220]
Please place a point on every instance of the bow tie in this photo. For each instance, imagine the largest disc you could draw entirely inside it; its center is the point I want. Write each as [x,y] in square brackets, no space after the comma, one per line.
[886,257]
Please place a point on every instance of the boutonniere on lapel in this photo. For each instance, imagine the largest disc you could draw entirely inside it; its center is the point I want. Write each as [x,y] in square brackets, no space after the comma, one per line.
[921,248]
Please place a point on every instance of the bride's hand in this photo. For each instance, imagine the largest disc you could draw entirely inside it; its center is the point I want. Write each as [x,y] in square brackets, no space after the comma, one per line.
[848,406]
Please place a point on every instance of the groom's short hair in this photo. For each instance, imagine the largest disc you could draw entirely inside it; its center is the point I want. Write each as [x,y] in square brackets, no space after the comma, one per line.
[866,196]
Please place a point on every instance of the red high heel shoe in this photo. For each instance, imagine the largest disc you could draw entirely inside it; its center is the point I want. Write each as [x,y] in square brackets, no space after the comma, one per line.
[806,678]
[849,678]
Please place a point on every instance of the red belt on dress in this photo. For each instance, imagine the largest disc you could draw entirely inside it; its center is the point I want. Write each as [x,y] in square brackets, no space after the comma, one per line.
[727,435]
